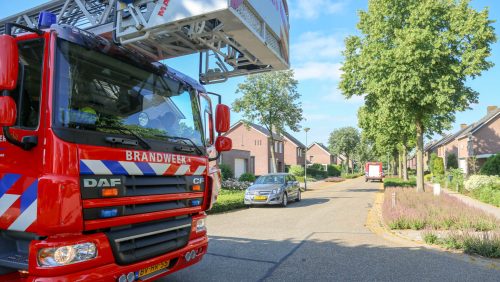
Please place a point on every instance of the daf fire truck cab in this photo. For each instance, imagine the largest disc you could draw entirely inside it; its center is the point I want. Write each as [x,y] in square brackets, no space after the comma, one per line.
[107,156]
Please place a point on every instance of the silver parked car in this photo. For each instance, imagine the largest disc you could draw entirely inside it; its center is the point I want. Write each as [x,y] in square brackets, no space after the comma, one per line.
[273,189]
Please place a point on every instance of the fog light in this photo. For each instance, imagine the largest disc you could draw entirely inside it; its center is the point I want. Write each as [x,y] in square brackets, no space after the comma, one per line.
[130,277]
[50,257]
[200,225]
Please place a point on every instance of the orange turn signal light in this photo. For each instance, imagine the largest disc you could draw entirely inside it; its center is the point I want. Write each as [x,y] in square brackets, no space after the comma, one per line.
[196,188]
[109,192]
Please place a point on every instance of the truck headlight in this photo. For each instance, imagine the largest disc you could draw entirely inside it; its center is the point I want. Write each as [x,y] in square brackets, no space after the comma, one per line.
[200,225]
[50,257]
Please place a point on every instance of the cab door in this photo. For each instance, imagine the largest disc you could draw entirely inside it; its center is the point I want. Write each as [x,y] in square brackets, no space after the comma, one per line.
[20,168]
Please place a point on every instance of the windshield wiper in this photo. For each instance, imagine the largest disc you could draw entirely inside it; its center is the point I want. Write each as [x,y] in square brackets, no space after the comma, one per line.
[183,139]
[122,129]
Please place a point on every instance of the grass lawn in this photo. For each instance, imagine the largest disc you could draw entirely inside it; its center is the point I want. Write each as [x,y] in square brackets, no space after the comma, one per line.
[228,200]
[465,227]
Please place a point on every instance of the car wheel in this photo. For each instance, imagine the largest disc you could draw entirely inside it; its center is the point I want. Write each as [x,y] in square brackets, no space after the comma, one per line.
[299,196]
[284,201]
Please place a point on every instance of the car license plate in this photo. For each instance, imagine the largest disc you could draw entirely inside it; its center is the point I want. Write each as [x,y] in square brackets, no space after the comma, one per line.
[152,269]
[260,198]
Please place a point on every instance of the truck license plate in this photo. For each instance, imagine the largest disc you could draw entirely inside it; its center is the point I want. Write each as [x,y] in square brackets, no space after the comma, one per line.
[152,269]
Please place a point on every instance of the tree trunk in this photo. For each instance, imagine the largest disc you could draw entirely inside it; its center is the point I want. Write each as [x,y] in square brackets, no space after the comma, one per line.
[405,164]
[420,155]
[400,164]
[273,156]
[347,163]
[394,165]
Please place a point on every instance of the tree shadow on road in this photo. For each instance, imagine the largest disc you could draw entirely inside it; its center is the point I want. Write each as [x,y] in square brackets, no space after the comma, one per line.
[347,257]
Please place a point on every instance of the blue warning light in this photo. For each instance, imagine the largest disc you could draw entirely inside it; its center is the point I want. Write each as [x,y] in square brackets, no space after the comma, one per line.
[46,19]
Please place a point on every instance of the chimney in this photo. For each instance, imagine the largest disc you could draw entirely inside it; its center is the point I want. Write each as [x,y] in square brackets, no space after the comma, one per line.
[463,126]
[491,109]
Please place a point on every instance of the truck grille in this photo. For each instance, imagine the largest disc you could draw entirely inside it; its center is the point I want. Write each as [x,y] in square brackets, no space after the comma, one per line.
[147,240]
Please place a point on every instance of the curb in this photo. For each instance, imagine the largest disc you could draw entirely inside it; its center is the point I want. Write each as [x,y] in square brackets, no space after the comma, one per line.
[375,224]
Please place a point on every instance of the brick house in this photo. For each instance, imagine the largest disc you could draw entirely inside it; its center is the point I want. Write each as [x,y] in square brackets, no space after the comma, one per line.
[479,140]
[317,153]
[294,151]
[254,139]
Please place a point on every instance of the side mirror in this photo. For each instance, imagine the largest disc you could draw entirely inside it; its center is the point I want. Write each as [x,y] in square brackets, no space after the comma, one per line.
[9,62]
[222,118]
[8,111]
[223,144]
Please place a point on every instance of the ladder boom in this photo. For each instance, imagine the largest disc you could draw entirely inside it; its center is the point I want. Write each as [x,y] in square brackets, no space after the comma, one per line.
[233,37]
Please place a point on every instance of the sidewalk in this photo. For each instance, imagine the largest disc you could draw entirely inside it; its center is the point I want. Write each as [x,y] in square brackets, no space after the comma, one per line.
[474,203]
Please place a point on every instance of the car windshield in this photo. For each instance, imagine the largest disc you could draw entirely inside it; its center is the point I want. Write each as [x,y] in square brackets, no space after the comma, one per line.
[270,179]
[97,92]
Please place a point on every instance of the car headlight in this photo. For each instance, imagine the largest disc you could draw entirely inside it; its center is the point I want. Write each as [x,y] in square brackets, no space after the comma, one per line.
[247,192]
[50,257]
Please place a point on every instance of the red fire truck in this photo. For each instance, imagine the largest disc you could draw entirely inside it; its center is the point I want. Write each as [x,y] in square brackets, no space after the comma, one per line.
[374,171]
[105,155]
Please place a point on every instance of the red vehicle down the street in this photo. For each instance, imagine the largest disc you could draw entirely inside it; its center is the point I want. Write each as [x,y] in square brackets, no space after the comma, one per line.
[374,171]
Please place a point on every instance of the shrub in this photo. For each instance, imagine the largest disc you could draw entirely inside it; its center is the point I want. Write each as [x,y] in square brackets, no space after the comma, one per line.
[226,171]
[317,167]
[247,177]
[334,170]
[316,173]
[451,161]
[428,177]
[491,166]
[228,200]
[457,179]
[397,182]
[487,195]
[296,170]
[431,162]
[233,184]
[482,181]
[438,166]
[430,238]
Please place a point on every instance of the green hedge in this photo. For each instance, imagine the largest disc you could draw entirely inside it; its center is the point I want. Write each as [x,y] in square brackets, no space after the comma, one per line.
[491,166]
[228,200]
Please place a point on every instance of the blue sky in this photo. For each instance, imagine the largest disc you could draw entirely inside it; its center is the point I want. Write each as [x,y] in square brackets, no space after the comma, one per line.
[318,28]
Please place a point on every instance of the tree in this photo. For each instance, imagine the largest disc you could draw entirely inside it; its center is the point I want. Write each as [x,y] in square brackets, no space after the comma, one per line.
[416,56]
[344,141]
[271,99]
[491,166]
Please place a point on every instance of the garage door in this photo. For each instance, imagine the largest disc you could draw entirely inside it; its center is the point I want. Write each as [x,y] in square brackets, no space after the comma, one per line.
[239,167]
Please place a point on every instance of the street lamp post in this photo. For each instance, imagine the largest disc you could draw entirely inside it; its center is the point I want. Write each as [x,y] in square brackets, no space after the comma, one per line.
[305,161]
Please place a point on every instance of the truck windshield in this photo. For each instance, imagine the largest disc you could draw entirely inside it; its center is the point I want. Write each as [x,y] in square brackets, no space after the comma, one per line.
[96,92]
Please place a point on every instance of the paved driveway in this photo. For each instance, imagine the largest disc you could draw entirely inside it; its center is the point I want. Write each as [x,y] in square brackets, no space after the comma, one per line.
[322,238]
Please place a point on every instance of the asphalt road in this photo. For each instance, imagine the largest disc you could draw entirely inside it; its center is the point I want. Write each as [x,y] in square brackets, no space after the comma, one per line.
[322,238]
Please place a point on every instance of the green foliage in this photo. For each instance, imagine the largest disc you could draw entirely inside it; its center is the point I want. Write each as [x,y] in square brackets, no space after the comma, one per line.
[334,170]
[316,173]
[352,175]
[248,177]
[428,177]
[411,62]
[457,179]
[438,166]
[451,161]
[228,200]
[272,100]
[344,141]
[491,166]
[487,195]
[317,167]
[398,182]
[296,170]
[226,171]
[430,238]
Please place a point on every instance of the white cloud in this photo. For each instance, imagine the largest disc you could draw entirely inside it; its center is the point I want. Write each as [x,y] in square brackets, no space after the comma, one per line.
[317,45]
[312,9]
[318,70]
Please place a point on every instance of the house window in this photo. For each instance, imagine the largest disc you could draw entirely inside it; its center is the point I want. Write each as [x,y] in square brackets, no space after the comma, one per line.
[276,147]
[281,147]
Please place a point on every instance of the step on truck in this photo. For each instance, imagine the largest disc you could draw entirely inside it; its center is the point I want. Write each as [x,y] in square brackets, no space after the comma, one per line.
[107,157]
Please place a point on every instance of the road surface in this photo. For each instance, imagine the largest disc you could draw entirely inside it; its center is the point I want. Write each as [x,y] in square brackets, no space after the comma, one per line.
[322,238]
